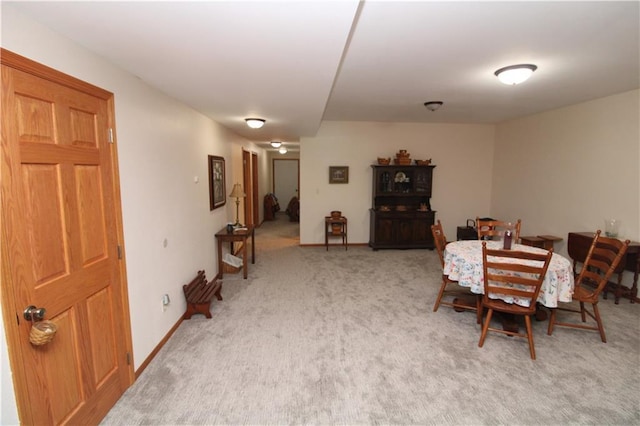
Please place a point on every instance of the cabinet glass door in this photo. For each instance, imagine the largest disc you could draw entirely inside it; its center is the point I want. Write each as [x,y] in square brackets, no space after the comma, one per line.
[423,181]
[402,180]
[385,182]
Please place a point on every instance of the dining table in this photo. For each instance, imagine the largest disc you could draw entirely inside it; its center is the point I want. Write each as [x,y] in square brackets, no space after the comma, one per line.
[463,263]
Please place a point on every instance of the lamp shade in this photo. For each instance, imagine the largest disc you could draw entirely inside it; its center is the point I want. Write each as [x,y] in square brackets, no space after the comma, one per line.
[237,191]
[515,74]
[276,144]
[255,123]
[282,150]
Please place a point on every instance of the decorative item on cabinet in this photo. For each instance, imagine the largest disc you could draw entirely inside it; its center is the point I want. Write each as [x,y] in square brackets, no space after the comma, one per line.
[403,158]
[423,162]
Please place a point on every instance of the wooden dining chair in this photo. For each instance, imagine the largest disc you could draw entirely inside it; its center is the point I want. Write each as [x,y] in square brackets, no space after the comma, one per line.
[602,259]
[488,229]
[449,287]
[512,274]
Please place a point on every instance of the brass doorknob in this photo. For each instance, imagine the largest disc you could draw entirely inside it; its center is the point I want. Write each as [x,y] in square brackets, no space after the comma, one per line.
[31,313]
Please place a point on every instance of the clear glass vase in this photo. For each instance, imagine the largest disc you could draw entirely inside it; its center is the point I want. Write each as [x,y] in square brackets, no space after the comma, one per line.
[611,227]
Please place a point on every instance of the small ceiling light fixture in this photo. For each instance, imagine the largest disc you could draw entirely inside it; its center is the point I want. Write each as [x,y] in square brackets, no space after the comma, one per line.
[255,123]
[433,105]
[515,74]
[282,150]
[276,144]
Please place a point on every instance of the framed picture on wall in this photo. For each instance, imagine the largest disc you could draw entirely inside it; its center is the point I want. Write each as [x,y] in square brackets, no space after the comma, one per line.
[217,185]
[338,174]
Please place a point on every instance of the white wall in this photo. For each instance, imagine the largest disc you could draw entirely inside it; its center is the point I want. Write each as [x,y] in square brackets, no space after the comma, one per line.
[462,154]
[162,147]
[569,169]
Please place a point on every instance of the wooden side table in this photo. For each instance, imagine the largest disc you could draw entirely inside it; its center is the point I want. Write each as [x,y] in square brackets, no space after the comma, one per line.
[335,227]
[237,236]
[578,247]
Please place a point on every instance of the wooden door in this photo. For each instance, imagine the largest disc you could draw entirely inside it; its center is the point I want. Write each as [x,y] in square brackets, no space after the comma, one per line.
[254,188]
[62,245]
[248,190]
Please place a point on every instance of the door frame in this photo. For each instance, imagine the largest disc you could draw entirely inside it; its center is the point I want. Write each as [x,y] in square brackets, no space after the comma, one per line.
[254,186]
[10,310]
[250,183]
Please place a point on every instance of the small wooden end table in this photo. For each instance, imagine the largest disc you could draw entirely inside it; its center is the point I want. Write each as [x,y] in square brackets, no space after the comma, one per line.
[237,235]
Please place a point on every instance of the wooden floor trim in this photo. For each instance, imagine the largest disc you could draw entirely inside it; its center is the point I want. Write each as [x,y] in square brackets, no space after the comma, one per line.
[157,348]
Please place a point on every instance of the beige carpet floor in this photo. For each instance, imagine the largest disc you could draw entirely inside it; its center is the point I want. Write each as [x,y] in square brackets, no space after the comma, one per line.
[349,338]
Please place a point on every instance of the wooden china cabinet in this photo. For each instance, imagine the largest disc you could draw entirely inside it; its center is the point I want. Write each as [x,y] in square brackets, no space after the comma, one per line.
[401,215]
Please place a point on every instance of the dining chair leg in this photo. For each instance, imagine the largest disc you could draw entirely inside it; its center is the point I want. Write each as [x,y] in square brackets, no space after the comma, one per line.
[596,314]
[552,321]
[440,294]
[582,312]
[527,321]
[485,327]
[479,309]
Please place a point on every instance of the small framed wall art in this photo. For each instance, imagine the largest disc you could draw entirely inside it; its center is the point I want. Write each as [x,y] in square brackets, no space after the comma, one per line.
[338,174]
[217,195]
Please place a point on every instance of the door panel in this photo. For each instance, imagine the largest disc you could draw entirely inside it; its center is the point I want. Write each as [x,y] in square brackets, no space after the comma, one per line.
[60,244]
[101,329]
[59,373]
[90,216]
[44,221]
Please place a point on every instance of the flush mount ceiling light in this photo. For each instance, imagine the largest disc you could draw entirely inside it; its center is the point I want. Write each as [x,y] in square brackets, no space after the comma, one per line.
[433,105]
[515,74]
[255,123]
[276,144]
[282,150]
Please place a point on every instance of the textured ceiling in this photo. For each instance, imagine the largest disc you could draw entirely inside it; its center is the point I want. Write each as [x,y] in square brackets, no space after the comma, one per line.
[296,63]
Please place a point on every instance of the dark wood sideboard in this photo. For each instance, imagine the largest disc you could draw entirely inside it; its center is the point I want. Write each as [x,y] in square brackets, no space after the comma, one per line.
[578,246]
[401,215]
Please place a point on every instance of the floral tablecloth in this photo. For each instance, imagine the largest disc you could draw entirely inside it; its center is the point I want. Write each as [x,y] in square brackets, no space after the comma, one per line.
[463,263]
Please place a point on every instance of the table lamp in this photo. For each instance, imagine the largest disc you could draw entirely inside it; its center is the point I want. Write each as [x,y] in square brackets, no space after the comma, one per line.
[237,193]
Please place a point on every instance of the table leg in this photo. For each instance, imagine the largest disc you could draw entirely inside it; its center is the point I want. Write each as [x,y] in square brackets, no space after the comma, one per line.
[509,322]
[346,238]
[326,237]
[245,261]
[541,313]
[618,290]
[220,269]
[253,246]
[634,286]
